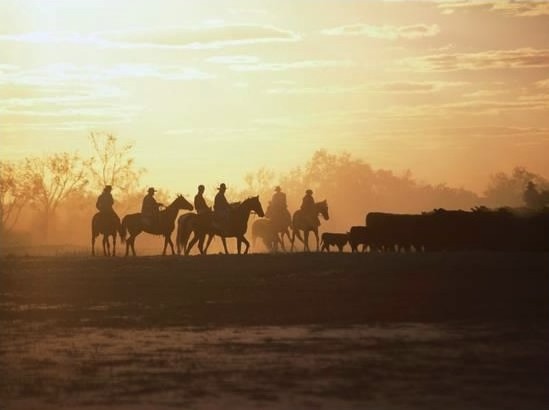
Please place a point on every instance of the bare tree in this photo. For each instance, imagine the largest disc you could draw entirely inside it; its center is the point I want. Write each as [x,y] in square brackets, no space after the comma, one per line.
[14,195]
[52,179]
[112,164]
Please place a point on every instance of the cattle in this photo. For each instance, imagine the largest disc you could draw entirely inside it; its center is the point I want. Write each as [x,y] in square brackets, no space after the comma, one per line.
[333,239]
[481,229]
[358,235]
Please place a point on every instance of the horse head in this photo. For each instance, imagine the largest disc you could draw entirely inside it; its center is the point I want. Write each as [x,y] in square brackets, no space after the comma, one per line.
[181,203]
[254,205]
[322,208]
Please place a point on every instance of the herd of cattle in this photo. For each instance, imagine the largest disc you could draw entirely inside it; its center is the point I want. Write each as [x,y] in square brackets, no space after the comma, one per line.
[442,230]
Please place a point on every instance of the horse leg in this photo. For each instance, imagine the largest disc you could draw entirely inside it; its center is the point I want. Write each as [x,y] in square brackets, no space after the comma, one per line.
[191,244]
[130,244]
[225,245]
[171,244]
[316,236]
[238,245]
[243,239]
[114,244]
[93,243]
[104,242]
[306,241]
[165,245]
[210,237]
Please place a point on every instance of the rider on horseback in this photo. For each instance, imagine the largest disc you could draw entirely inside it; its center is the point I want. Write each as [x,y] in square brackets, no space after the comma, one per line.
[221,207]
[105,201]
[309,209]
[278,209]
[150,209]
[200,203]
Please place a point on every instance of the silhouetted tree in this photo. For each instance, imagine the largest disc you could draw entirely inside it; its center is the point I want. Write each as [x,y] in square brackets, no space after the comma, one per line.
[112,164]
[51,179]
[508,190]
[353,188]
[14,195]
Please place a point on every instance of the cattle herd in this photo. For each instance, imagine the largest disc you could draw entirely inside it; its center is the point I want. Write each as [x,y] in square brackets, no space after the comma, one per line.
[480,229]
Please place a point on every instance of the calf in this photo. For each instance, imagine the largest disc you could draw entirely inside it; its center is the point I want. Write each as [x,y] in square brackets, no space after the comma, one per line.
[336,239]
[359,236]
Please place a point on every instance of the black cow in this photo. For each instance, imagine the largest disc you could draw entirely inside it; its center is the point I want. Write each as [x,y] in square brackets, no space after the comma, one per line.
[335,239]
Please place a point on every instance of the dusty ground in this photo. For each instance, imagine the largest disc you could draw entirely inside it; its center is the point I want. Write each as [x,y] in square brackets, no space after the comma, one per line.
[331,331]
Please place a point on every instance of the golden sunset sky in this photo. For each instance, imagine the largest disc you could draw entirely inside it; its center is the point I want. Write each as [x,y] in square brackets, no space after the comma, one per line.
[209,90]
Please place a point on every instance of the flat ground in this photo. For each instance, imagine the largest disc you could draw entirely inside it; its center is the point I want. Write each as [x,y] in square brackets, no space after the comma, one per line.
[453,331]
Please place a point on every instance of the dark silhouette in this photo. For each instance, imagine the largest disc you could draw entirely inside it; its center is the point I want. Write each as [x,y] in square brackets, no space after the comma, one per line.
[533,198]
[333,239]
[133,223]
[222,208]
[200,204]
[358,235]
[105,201]
[280,217]
[266,229]
[306,220]
[108,224]
[235,226]
[481,229]
[150,209]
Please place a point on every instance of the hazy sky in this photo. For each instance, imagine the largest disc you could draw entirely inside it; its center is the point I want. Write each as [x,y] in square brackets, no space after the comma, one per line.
[453,91]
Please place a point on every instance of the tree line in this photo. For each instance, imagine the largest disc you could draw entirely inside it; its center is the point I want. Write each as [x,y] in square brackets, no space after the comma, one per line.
[41,185]
[54,194]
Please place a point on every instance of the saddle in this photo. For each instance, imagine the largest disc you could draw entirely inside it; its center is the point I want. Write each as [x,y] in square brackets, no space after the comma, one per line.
[151,222]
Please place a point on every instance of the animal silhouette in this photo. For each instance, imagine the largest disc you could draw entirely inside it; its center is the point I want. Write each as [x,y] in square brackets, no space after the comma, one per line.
[165,225]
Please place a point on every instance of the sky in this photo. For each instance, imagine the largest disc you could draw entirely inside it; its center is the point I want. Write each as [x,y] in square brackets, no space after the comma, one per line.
[209,90]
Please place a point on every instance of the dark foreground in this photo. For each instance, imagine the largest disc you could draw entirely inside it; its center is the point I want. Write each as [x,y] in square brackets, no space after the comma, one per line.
[449,331]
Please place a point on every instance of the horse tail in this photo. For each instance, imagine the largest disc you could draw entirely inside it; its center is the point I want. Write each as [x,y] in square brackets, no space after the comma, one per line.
[122,230]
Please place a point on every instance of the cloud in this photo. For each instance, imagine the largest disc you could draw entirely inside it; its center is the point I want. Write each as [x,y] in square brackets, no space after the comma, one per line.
[492,59]
[250,63]
[210,36]
[508,7]
[543,84]
[64,73]
[386,32]
[390,87]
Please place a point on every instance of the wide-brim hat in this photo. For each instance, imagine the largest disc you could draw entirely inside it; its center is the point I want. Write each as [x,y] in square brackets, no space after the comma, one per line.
[309,191]
[222,186]
[151,189]
[277,188]
[108,187]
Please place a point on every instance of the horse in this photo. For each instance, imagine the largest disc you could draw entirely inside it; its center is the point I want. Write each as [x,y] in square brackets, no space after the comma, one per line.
[235,227]
[300,222]
[279,222]
[133,224]
[266,230]
[185,227]
[107,224]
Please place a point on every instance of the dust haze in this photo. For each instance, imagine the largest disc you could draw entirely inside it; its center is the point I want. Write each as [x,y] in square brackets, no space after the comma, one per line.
[47,202]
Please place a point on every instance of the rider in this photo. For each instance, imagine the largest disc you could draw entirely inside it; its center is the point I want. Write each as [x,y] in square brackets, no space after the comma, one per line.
[200,203]
[309,209]
[150,211]
[221,205]
[105,201]
[279,200]
[278,208]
